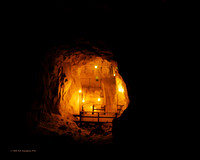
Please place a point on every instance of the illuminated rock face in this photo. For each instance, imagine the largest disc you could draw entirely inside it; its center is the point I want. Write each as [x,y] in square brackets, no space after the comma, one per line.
[78,78]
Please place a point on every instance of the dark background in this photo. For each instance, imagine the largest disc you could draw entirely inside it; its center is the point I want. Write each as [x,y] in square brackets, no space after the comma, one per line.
[145,37]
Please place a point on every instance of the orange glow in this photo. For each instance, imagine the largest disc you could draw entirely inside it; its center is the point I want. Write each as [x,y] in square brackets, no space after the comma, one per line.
[94,84]
[120,88]
[83,100]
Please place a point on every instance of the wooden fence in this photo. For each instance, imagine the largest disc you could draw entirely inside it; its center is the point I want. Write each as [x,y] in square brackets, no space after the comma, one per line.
[95,117]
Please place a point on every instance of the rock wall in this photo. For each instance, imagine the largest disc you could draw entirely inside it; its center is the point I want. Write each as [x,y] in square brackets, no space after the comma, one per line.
[65,67]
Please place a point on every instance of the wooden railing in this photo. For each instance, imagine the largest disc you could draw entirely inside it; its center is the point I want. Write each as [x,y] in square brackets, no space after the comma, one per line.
[95,117]
[103,109]
[98,109]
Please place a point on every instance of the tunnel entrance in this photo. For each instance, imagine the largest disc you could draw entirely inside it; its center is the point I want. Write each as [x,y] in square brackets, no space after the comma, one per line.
[79,84]
[94,91]
[80,91]
[96,105]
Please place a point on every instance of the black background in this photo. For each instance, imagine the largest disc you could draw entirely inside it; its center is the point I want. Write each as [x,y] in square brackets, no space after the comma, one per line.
[145,37]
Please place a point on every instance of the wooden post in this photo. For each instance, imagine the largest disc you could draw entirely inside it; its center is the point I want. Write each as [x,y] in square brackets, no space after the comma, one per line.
[98,117]
[93,109]
[80,119]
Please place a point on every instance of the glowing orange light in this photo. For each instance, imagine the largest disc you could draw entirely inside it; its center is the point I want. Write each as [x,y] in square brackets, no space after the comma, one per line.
[83,100]
[99,99]
[95,67]
[114,74]
[121,89]
[80,91]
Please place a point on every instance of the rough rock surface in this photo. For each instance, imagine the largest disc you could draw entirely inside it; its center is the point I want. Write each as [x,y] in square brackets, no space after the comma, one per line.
[55,125]
[60,81]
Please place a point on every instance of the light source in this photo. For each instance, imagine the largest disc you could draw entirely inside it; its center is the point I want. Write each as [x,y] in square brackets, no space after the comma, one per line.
[121,89]
[83,100]
[95,66]
[99,99]
[80,91]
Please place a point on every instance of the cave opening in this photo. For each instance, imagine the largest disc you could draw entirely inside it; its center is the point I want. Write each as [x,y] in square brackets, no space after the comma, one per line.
[80,92]
[93,91]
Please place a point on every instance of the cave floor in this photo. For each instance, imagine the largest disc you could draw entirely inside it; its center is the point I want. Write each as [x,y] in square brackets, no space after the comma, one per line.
[67,129]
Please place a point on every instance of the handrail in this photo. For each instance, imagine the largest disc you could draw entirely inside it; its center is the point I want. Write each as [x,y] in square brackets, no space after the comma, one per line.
[97,112]
[98,117]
